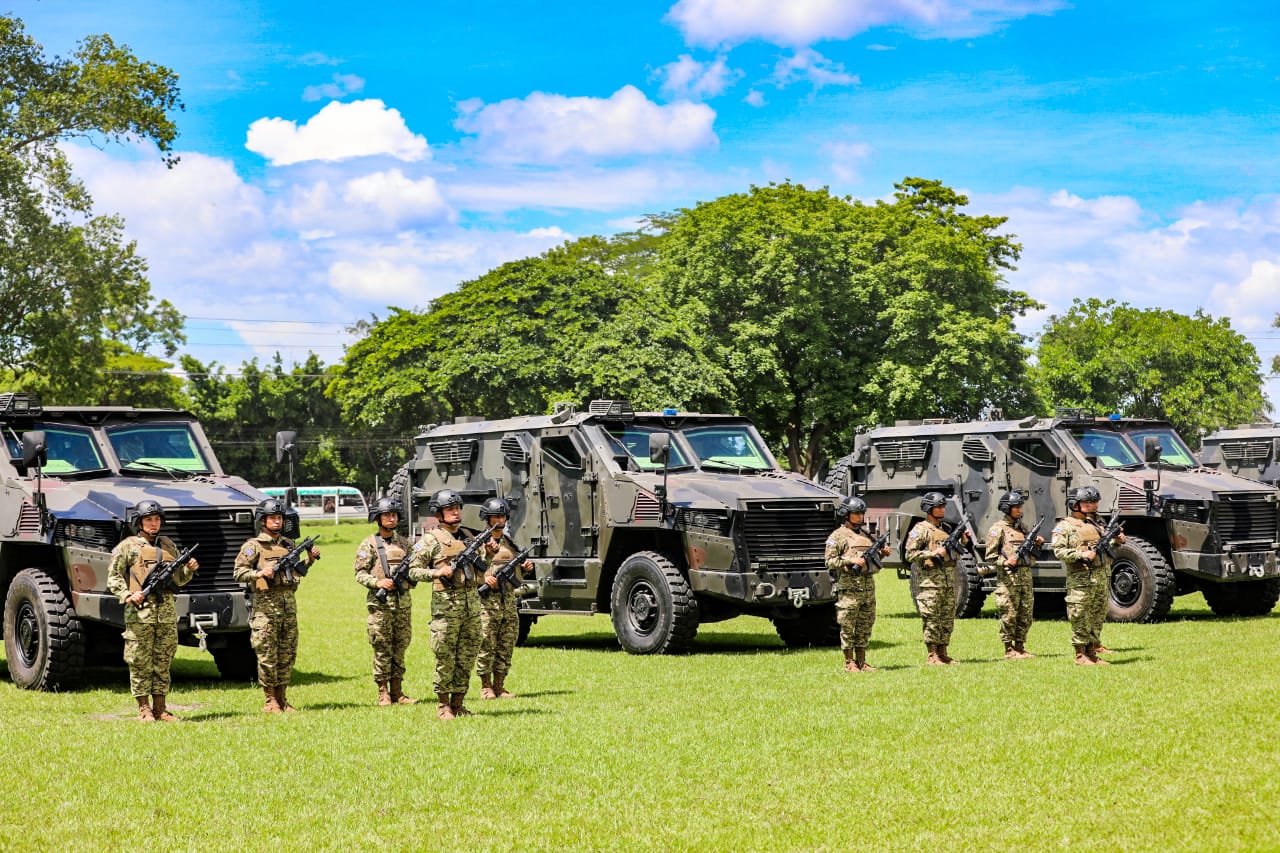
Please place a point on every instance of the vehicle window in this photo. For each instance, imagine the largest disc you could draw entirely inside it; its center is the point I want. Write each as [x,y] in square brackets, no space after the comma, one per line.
[732,444]
[167,445]
[71,450]
[562,451]
[635,441]
[1111,449]
[1172,448]
[1033,452]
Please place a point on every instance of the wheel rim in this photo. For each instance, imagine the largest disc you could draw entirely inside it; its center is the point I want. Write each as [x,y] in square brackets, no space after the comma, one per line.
[1126,584]
[27,634]
[642,607]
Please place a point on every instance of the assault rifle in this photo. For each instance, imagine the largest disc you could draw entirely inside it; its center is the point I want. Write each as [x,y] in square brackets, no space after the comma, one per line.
[507,574]
[161,577]
[469,559]
[871,557]
[954,542]
[400,576]
[1105,549]
[291,566]
[1028,546]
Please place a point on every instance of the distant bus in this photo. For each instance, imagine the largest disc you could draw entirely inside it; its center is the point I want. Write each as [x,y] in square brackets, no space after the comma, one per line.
[325,501]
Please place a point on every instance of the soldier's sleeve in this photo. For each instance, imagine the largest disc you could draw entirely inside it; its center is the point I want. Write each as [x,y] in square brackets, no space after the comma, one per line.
[366,559]
[835,554]
[423,559]
[246,563]
[122,557]
[918,550]
[1066,543]
[995,538]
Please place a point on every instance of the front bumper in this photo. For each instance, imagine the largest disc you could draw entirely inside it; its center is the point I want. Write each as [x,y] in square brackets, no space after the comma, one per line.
[1239,566]
[765,589]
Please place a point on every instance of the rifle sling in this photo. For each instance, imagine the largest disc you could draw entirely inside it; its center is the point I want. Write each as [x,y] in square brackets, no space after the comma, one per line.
[382,558]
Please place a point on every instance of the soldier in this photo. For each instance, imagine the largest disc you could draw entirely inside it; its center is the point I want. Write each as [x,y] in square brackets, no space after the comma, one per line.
[455,606]
[499,616]
[151,623]
[936,569]
[274,625]
[391,615]
[1014,596]
[855,582]
[1075,540]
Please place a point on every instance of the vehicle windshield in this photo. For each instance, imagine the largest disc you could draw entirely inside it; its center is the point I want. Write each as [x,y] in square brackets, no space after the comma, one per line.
[1172,448]
[727,445]
[169,447]
[1111,449]
[633,440]
[71,450]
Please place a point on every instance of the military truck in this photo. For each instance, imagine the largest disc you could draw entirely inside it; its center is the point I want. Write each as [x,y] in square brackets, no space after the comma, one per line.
[664,520]
[1188,528]
[71,476]
[1249,450]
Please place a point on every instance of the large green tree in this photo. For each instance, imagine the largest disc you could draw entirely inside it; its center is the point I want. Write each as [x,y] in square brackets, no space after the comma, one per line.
[831,313]
[1194,371]
[74,298]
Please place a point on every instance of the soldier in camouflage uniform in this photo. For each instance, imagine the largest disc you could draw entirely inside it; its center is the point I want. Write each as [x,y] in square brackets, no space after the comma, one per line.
[274,626]
[150,624]
[855,582]
[1014,595]
[390,605]
[455,606]
[499,614]
[1075,541]
[936,569]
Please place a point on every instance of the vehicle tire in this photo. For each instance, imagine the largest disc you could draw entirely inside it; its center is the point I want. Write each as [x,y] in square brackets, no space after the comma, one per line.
[1243,598]
[837,479]
[401,489]
[237,660]
[526,622]
[970,596]
[43,637]
[810,627]
[1142,583]
[652,608]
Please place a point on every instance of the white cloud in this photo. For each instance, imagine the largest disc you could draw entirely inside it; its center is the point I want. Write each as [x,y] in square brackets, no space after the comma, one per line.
[342,85]
[399,199]
[338,132]
[693,80]
[809,65]
[545,128]
[572,189]
[754,98]
[798,23]
[846,158]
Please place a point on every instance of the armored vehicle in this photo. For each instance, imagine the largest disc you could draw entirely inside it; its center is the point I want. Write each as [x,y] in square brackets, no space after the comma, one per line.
[1188,528]
[1250,450]
[663,520]
[71,477]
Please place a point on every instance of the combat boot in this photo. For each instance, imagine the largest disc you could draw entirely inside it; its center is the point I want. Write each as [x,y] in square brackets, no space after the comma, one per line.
[144,710]
[384,696]
[459,710]
[1010,653]
[943,656]
[444,709]
[160,712]
[861,661]
[850,665]
[1021,649]
[1092,652]
[397,693]
[272,705]
[933,659]
[486,687]
[280,697]
[1099,649]
[498,689]
[1082,656]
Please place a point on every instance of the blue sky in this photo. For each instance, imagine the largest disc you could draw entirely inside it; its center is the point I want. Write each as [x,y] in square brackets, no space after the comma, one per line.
[338,160]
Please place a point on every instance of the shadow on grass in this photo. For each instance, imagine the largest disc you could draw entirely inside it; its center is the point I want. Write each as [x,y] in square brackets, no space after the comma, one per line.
[538,694]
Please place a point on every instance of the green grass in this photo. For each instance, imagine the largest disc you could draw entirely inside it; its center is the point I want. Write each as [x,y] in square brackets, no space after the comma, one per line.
[740,745]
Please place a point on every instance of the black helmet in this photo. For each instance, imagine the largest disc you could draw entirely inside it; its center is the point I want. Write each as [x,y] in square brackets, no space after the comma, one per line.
[270,506]
[931,500]
[1009,500]
[1081,495]
[142,509]
[444,498]
[384,504]
[849,505]
[495,506]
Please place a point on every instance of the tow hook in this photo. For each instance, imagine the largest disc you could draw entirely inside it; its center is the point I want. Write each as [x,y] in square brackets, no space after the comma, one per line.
[798,595]
[201,621]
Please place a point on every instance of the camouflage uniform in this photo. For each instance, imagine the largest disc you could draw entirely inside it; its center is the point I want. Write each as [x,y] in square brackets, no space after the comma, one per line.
[499,619]
[1014,595]
[274,625]
[455,611]
[151,628]
[856,602]
[390,622]
[1088,586]
[936,598]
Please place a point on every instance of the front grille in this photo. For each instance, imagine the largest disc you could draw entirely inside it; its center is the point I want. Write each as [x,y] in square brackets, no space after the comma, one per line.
[1247,520]
[221,533]
[786,538]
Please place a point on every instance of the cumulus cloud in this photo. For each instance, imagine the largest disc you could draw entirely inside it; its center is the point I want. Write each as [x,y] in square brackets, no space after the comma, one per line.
[341,86]
[338,132]
[693,80]
[809,65]
[545,128]
[754,98]
[505,190]
[796,23]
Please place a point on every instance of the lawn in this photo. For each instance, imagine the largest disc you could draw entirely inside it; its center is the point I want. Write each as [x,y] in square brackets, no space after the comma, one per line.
[739,745]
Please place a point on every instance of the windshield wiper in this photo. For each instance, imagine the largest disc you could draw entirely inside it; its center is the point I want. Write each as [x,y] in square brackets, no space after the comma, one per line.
[731,466]
[175,473]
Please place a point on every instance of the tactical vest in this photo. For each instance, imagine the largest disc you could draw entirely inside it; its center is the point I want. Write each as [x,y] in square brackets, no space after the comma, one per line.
[1090,535]
[149,555]
[450,547]
[932,538]
[1014,536]
[269,553]
[393,550]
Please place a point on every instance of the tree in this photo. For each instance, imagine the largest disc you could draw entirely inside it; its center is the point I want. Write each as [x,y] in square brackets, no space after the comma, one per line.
[1193,371]
[831,313]
[72,290]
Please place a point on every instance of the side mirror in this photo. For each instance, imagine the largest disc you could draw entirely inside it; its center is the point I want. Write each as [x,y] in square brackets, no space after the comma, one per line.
[35,449]
[1151,448]
[659,447]
[291,497]
[286,445]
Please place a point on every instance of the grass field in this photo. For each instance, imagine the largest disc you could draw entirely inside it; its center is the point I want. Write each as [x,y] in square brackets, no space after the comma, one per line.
[740,745]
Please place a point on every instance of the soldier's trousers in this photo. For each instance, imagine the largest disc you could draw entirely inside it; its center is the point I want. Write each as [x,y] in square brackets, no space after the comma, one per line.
[1087,594]
[455,637]
[499,627]
[856,613]
[1016,601]
[273,633]
[390,632]
[150,643]
[936,601]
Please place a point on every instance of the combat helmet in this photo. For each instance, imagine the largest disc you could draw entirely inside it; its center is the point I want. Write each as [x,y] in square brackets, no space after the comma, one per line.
[270,506]
[1083,494]
[1009,500]
[142,509]
[932,500]
[384,504]
[442,499]
[495,506]
[848,505]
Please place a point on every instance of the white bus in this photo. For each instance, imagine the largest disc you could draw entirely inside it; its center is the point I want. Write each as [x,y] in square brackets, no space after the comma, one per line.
[336,502]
